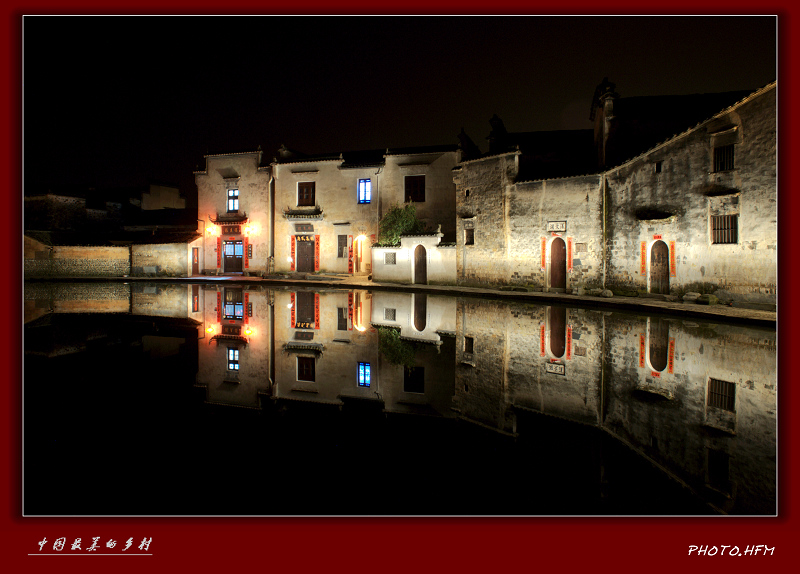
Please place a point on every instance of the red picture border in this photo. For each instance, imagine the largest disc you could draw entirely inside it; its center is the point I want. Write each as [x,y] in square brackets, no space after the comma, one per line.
[396,544]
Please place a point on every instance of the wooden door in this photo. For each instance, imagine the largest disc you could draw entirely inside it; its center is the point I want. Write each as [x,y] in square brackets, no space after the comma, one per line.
[558,331]
[420,311]
[659,268]
[234,252]
[195,261]
[305,253]
[558,264]
[420,266]
[659,343]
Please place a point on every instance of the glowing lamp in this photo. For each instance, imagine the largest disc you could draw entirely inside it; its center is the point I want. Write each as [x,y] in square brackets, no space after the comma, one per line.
[210,330]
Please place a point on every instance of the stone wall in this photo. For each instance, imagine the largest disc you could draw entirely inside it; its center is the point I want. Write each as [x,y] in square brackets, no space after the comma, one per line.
[671,192]
[61,261]
[163,260]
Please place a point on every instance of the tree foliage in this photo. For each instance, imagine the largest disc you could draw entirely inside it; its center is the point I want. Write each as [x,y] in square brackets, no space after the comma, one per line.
[399,220]
[394,349]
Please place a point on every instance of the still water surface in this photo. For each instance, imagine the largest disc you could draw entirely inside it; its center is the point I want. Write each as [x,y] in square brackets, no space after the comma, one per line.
[178,399]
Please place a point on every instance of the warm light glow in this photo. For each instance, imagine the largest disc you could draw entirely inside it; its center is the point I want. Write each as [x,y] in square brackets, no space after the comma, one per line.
[361,238]
[289,259]
[360,328]
[289,306]
[210,330]
[248,332]
[211,229]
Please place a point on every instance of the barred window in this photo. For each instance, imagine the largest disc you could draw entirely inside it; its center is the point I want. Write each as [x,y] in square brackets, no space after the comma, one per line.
[390,258]
[342,247]
[341,324]
[724,229]
[389,314]
[722,395]
[723,158]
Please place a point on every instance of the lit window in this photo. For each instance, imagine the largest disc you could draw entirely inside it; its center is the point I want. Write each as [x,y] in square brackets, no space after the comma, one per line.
[363,374]
[233,359]
[233,200]
[364,191]
[234,304]
[724,229]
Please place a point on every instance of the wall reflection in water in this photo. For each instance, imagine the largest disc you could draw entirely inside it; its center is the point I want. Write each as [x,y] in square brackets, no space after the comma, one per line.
[692,402]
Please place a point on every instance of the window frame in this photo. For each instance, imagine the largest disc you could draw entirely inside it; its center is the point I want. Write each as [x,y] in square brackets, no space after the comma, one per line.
[386,258]
[306,193]
[233,200]
[304,370]
[364,375]
[233,359]
[724,157]
[724,234]
[364,190]
[412,189]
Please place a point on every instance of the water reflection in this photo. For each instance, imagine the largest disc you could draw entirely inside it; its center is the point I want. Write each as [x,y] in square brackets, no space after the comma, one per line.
[443,401]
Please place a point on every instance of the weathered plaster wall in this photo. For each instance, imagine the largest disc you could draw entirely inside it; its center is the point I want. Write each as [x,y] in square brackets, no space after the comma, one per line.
[169,260]
[60,261]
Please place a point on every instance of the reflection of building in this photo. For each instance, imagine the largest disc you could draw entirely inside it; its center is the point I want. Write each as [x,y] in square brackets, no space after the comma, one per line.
[234,352]
[697,400]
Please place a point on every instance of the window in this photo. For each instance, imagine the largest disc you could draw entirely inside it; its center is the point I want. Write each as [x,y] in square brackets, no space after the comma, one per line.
[233,200]
[414,380]
[658,167]
[389,314]
[364,191]
[341,324]
[724,229]
[306,193]
[415,188]
[469,237]
[341,250]
[363,374]
[306,369]
[233,307]
[468,344]
[722,395]
[723,158]
[233,359]
[390,258]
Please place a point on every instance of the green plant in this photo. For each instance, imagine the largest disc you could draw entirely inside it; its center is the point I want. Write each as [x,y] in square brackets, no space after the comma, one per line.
[399,220]
[394,349]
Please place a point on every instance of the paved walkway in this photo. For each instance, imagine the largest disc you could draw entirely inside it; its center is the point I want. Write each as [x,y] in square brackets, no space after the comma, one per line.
[632,304]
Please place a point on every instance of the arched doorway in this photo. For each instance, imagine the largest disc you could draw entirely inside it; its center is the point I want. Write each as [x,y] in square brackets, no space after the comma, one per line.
[420,266]
[558,264]
[659,343]
[420,311]
[659,268]
[557,319]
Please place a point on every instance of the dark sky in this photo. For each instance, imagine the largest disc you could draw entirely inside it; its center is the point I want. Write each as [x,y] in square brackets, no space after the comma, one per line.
[118,101]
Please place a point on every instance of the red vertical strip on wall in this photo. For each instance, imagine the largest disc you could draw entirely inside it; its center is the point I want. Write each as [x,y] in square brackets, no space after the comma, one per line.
[291,265]
[350,311]
[672,265]
[291,317]
[246,260]
[349,253]
[219,307]
[641,351]
[544,252]
[219,252]
[316,253]
[541,340]
[644,258]
[671,359]
[316,310]
[569,253]
[569,342]
[246,302]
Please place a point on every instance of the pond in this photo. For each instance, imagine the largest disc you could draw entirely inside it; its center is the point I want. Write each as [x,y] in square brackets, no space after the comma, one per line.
[185,399]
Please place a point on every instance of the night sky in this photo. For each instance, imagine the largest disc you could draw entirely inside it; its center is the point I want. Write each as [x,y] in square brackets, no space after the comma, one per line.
[123,101]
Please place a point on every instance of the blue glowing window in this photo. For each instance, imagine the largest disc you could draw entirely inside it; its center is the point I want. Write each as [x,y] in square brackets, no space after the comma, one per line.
[233,359]
[233,200]
[363,374]
[364,191]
